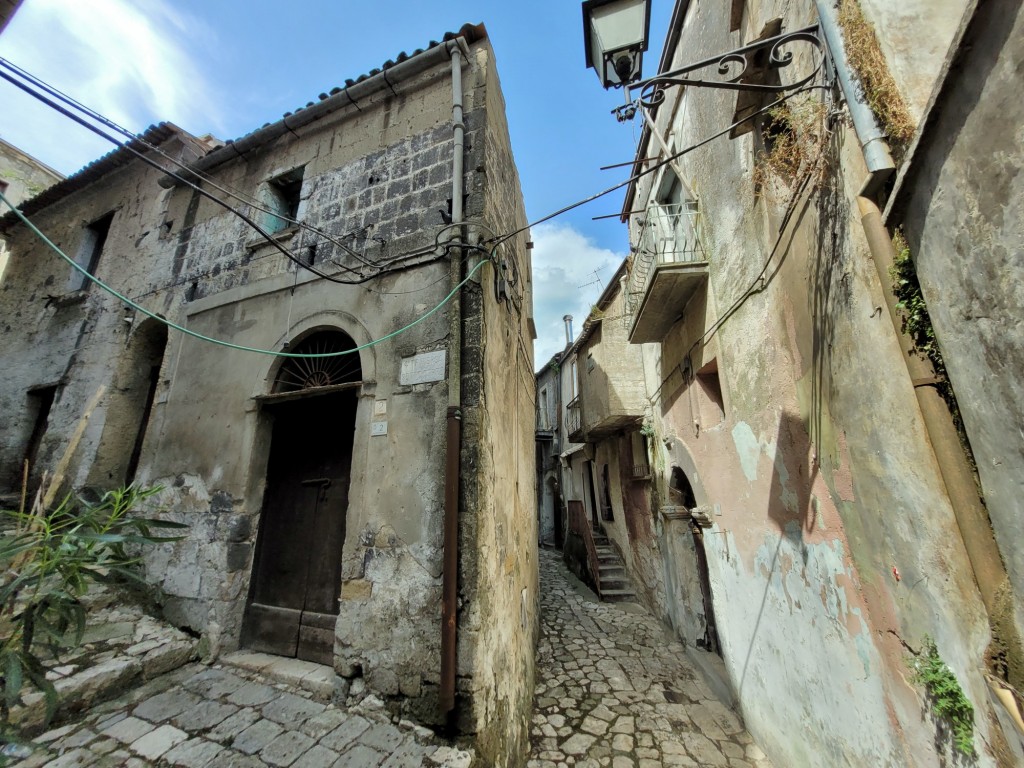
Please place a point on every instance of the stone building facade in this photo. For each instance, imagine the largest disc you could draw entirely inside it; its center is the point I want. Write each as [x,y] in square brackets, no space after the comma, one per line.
[316,489]
[21,177]
[802,529]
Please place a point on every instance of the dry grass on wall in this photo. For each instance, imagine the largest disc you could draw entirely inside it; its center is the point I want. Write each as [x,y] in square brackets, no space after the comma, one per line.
[798,131]
[866,58]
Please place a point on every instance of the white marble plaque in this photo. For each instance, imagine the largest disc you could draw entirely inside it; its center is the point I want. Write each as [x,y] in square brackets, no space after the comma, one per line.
[423,368]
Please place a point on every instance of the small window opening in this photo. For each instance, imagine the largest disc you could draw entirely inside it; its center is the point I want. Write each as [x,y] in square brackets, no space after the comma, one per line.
[712,404]
[640,463]
[283,196]
[93,242]
[606,495]
[191,291]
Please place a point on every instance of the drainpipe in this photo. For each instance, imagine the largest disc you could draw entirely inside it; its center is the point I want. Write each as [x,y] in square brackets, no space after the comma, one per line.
[869,132]
[450,572]
[971,516]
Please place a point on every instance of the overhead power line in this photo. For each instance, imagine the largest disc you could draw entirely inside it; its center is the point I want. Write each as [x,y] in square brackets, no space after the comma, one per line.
[221,342]
[226,189]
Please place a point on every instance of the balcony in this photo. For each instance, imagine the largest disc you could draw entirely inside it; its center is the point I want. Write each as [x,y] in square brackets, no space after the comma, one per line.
[574,420]
[669,266]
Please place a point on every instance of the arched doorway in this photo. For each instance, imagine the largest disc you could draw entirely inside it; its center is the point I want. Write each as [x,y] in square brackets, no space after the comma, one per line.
[296,576]
[681,495]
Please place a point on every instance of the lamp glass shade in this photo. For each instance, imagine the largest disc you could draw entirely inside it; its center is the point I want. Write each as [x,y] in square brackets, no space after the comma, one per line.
[614,29]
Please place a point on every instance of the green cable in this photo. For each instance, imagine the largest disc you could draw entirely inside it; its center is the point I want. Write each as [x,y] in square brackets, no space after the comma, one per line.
[220,342]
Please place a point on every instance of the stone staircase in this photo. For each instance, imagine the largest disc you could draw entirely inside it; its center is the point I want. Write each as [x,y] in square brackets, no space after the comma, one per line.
[613,582]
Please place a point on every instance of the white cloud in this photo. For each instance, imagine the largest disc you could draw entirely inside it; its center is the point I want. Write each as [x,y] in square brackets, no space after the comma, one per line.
[130,60]
[564,282]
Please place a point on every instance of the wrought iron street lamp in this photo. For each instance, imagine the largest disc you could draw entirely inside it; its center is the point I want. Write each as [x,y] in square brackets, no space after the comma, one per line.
[615,35]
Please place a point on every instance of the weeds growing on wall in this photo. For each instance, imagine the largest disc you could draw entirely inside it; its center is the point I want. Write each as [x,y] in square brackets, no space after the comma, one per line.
[48,560]
[880,89]
[794,133]
[918,326]
[946,697]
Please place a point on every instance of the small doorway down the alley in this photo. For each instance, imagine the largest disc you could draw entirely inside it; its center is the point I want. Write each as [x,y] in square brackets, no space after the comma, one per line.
[681,494]
[589,497]
[296,577]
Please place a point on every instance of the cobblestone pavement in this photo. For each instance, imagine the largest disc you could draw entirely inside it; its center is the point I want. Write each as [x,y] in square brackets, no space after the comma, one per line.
[615,689]
[225,717]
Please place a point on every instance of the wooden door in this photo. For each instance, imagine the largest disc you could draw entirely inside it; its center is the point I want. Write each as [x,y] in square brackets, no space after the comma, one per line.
[296,577]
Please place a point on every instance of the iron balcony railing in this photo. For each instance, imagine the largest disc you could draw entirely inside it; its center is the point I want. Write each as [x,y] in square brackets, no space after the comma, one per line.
[573,416]
[669,234]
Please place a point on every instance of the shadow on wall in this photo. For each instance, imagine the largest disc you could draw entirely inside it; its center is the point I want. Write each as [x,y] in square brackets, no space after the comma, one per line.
[830,296]
[792,509]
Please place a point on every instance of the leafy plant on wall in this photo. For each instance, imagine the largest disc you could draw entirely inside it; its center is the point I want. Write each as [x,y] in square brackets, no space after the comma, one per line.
[49,558]
[947,699]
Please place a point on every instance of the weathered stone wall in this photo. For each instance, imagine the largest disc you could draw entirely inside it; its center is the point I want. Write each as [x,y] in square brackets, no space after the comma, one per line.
[498,616]
[611,381]
[813,460]
[377,178]
[960,204]
[24,176]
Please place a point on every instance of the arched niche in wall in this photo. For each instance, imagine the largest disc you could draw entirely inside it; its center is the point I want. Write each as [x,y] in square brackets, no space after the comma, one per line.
[129,406]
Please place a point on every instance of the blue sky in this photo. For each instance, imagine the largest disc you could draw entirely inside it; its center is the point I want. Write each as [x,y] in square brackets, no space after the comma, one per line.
[226,67]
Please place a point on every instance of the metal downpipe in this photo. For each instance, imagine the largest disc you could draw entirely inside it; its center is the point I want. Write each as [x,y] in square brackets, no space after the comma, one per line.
[971,516]
[871,136]
[453,438]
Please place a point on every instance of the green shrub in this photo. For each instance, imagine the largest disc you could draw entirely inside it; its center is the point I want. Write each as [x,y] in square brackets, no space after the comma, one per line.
[947,698]
[48,559]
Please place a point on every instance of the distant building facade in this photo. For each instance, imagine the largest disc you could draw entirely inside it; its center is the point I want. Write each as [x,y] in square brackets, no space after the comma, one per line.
[21,177]
[316,489]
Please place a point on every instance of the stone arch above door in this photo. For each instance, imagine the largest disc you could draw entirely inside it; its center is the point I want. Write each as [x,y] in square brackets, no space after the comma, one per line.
[679,456]
[328,320]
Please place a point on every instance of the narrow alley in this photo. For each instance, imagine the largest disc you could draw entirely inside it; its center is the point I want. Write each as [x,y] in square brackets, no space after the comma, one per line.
[614,688]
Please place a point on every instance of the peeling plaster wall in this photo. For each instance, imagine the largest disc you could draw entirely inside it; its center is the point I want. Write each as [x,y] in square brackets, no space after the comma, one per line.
[498,622]
[962,215]
[817,467]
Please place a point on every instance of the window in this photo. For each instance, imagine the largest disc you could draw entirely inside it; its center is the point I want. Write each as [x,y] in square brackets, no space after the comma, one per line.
[282,197]
[758,72]
[90,251]
[641,469]
[544,421]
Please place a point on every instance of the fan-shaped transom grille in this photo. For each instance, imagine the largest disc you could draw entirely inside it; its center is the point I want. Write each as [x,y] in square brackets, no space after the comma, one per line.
[298,373]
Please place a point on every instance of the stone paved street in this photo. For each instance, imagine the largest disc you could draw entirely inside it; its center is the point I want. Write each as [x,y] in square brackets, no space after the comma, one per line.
[226,717]
[615,689]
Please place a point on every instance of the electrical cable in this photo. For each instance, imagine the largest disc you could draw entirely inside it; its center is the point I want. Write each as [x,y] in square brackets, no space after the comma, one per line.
[220,342]
[656,166]
[127,146]
[753,287]
[206,178]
